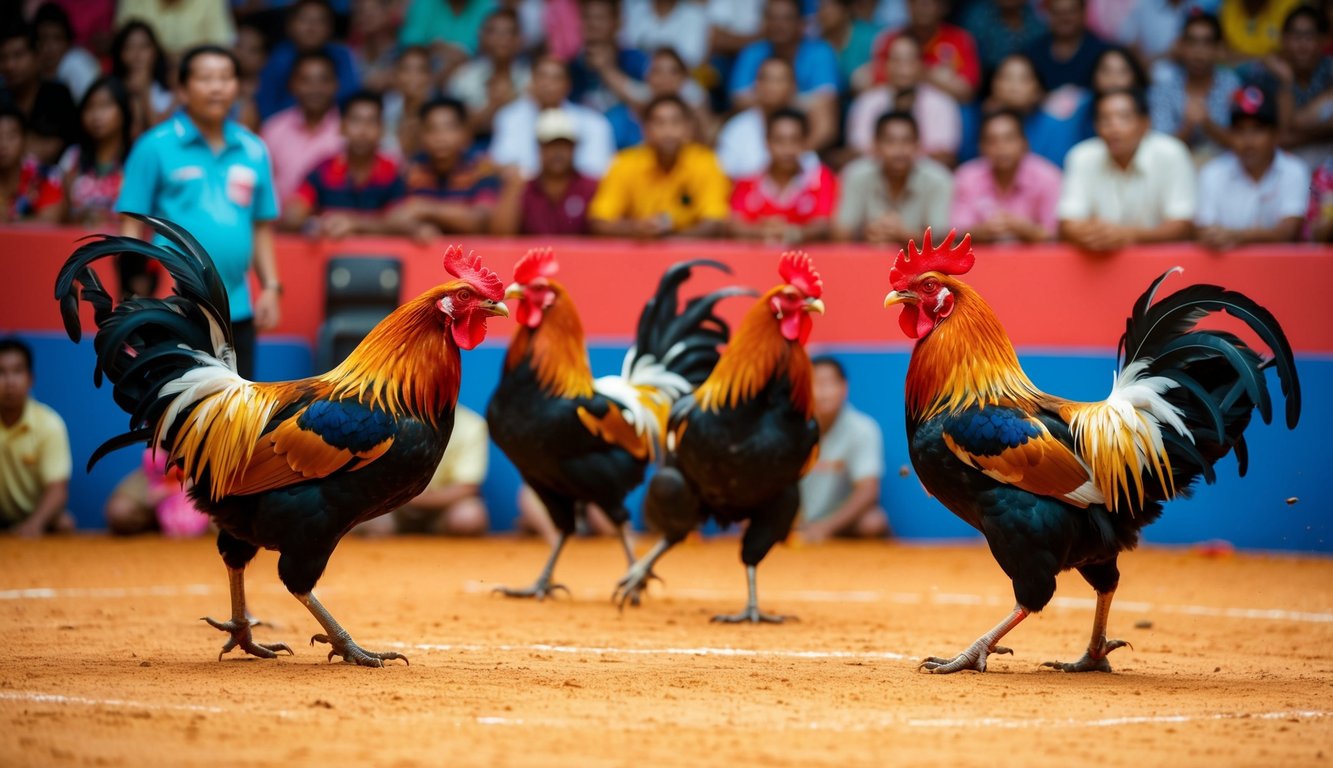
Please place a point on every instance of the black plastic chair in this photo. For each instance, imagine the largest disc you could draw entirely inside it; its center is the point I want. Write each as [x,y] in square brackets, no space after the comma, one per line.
[360,291]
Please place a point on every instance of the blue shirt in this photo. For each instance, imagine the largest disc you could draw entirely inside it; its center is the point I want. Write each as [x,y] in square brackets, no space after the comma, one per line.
[1076,70]
[173,173]
[273,95]
[816,66]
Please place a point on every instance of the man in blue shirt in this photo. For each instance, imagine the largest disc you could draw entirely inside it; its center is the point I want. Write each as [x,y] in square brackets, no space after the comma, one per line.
[213,177]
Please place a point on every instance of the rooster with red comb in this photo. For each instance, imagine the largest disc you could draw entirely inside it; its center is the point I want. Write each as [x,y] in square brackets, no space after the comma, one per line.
[740,442]
[290,466]
[1055,484]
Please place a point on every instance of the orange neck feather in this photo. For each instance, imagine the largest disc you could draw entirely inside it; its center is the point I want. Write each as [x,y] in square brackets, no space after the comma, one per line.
[755,355]
[966,360]
[555,349]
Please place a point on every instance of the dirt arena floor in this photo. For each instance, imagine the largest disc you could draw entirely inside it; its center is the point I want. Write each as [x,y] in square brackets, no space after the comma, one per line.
[105,662]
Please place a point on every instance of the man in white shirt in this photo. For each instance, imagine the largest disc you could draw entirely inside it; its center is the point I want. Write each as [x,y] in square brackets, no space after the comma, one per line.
[1255,193]
[515,139]
[742,145]
[1128,184]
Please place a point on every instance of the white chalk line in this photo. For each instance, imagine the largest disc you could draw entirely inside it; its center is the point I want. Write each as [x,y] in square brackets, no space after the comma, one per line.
[611,651]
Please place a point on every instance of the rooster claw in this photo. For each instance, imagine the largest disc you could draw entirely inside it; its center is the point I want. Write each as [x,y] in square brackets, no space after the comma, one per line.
[752,615]
[242,638]
[1094,660]
[539,591]
[974,659]
[352,653]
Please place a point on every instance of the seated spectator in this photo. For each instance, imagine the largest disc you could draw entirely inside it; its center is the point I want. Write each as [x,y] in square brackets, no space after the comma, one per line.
[792,199]
[1252,28]
[1114,69]
[892,195]
[741,148]
[1152,27]
[906,90]
[301,136]
[44,104]
[26,193]
[1129,184]
[1008,194]
[34,450]
[840,493]
[733,24]
[1190,99]
[1256,193]
[496,76]
[309,30]
[350,192]
[548,26]
[680,24]
[1067,54]
[668,186]
[402,105]
[450,29]
[949,52]
[556,201]
[1301,74]
[373,40]
[452,504]
[181,24]
[93,22]
[152,499]
[94,167]
[251,54]
[1001,29]
[515,142]
[1319,217]
[666,76]
[448,187]
[852,39]
[58,58]
[812,59]
[138,61]
[1052,123]
[603,60]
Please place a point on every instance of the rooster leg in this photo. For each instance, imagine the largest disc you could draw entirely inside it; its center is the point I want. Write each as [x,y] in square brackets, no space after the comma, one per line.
[632,583]
[342,643]
[974,658]
[1094,660]
[752,613]
[241,623]
[542,587]
[637,596]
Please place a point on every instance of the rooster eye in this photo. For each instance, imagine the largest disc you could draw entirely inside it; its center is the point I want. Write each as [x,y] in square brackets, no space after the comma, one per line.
[930,285]
[464,295]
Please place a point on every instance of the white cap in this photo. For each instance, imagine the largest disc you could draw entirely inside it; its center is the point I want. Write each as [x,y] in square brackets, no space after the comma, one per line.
[555,124]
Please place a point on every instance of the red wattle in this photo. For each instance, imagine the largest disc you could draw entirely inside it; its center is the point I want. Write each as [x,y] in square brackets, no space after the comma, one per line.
[469,330]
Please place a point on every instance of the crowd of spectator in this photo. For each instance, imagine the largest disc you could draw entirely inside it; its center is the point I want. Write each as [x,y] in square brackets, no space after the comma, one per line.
[1099,122]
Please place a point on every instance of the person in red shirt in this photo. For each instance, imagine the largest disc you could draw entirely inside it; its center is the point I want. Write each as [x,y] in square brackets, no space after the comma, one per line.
[556,201]
[793,200]
[949,52]
[26,193]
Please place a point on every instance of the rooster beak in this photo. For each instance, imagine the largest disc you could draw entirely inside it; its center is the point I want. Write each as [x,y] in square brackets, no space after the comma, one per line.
[814,305]
[495,308]
[899,297]
[514,291]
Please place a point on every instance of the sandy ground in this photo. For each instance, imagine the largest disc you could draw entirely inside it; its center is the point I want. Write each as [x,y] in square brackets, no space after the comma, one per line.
[105,661]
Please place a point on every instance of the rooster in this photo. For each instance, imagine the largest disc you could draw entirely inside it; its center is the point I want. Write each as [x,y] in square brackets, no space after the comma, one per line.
[576,439]
[290,466]
[741,442]
[1055,484]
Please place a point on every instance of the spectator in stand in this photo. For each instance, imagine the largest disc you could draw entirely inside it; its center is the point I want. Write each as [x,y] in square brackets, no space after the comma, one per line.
[515,141]
[680,24]
[451,29]
[93,22]
[949,52]
[181,24]
[792,200]
[1319,217]
[138,61]
[449,187]
[402,105]
[603,61]
[1130,184]
[94,167]
[556,202]
[733,24]
[1052,123]
[812,59]
[1067,54]
[1191,99]
[26,193]
[1002,28]
[852,40]
[906,90]
[892,195]
[496,76]
[666,76]
[309,30]
[1301,76]
[35,462]
[1008,194]
[548,26]
[1253,28]
[741,145]
[154,498]
[48,111]
[669,186]
[301,136]
[1256,193]
[251,54]
[213,177]
[1152,28]
[351,192]
[1116,68]
[373,34]
[58,58]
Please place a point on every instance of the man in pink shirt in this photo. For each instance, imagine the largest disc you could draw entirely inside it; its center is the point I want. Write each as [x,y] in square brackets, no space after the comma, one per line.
[1008,194]
[301,137]
[906,90]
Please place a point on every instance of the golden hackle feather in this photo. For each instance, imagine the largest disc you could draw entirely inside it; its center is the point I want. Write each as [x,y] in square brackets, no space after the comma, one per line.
[755,355]
[555,349]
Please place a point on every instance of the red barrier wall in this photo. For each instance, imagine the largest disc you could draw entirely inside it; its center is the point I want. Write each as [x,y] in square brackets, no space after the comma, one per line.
[1047,296]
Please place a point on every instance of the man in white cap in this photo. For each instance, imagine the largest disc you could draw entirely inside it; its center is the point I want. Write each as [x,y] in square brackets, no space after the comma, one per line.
[556,201]
[515,143]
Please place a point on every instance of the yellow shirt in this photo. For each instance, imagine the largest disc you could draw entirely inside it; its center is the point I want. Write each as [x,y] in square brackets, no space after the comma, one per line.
[1254,36]
[33,454]
[183,24]
[465,458]
[635,187]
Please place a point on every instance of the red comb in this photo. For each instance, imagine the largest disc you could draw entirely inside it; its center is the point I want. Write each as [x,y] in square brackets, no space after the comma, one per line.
[798,269]
[537,262]
[469,269]
[950,261]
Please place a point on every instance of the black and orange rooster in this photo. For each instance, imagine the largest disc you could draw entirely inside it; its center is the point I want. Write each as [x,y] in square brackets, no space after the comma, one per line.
[576,439]
[1055,484]
[290,466]
[741,442]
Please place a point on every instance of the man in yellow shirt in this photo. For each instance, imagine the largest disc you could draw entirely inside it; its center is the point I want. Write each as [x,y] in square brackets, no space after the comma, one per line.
[668,186]
[34,452]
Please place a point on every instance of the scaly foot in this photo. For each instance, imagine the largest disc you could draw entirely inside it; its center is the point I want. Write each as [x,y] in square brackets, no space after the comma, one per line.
[974,658]
[352,653]
[633,584]
[542,589]
[753,615]
[242,638]
[1094,659]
